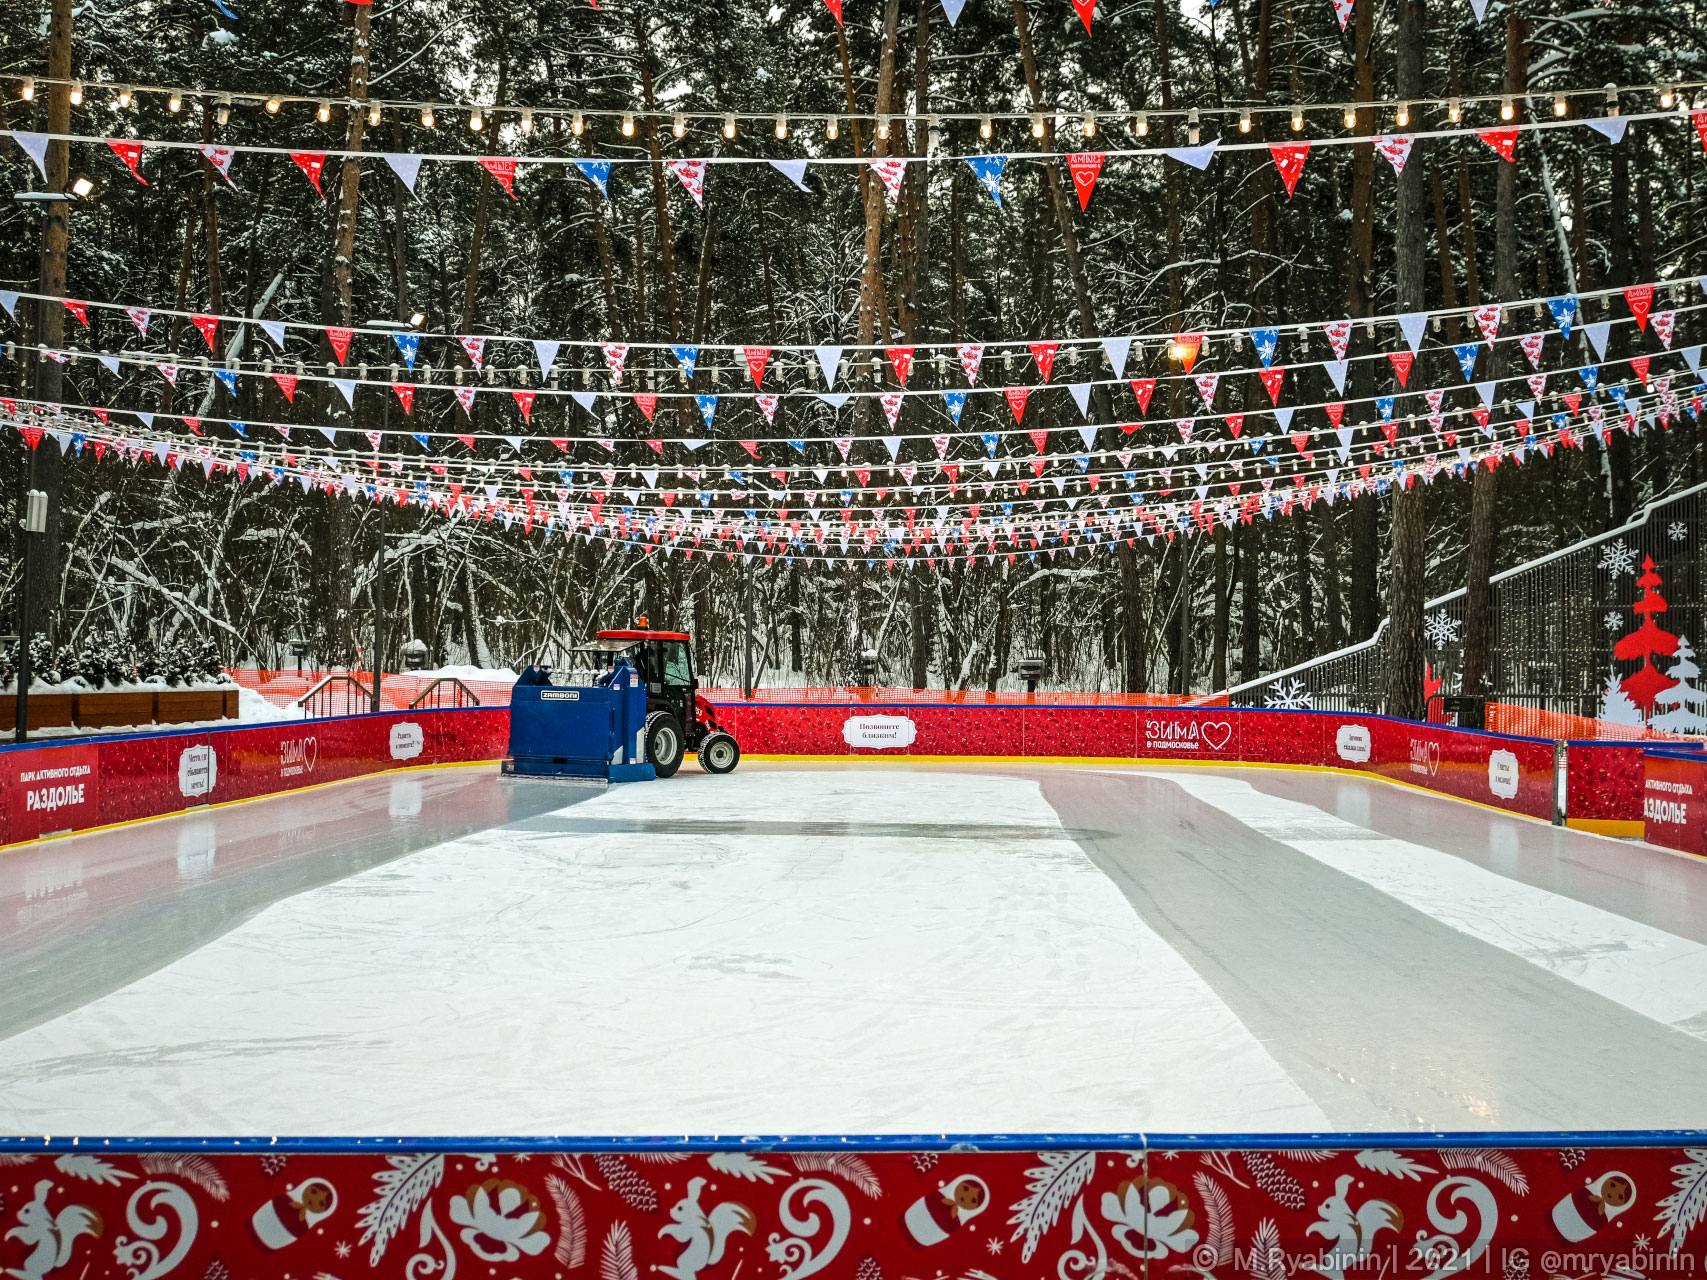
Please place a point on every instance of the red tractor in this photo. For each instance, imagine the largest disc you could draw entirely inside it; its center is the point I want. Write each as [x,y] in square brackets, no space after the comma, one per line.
[677,718]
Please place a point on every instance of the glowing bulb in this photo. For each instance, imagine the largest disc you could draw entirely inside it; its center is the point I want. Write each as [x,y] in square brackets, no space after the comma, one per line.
[729,127]
[1508,109]
[1037,126]
[577,124]
[883,126]
[782,126]
[1351,117]
[82,187]
[1244,122]
[1559,107]
[985,128]
[175,102]
[476,121]
[1454,110]
[831,129]
[373,114]
[1193,134]
[680,125]
[28,91]
[1668,97]
[273,106]
[1297,119]
[76,93]
[628,124]
[1090,125]
[1141,126]
[324,112]
[1403,115]
[124,98]
[426,117]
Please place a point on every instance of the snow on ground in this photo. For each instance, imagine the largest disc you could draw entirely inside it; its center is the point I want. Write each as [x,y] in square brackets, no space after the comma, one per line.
[497,675]
[765,952]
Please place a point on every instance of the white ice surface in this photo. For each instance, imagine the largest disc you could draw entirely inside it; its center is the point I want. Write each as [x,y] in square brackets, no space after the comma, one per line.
[1654,973]
[669,982]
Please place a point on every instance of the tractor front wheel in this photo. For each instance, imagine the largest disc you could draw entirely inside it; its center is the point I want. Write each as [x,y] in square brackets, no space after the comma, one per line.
[719,753]
[664,743]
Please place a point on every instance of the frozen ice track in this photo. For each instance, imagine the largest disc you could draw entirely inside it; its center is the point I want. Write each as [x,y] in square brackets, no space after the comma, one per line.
[794,950]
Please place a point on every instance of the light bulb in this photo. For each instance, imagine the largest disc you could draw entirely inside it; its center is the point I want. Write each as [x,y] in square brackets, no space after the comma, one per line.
[831,129]
[1454,110]
[426,117]
[1559,107]
[373,114]
[1141,126]
[1668,97]
[680,126]
[76,93]
[729,127]
[985,128]
[577,124]
[1192,133]
[175,102]
[628,124]
[222,112]
[782,126]
[28,91]
[1508,109]
[82,187]
[324,112]
[1244,122]
[883,126]
[1297,119]
[476,121]
[1037,126]
[273,106]
[1403,115]
[1611,99]
[124,97]
[1351,117]
[1090,125]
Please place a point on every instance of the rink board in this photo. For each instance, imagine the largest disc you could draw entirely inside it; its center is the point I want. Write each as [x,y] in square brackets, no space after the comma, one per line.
[871,1209]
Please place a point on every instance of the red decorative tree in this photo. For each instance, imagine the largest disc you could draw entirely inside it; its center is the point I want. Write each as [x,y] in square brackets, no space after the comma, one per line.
[1646,641]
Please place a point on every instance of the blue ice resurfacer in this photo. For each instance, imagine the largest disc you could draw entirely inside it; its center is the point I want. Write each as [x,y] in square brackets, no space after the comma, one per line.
[579,731]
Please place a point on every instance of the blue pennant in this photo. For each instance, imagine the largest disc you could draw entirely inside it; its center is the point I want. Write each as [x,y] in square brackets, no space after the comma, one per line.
[228,377]
[241,429]
[799,446]
[226,10]
[1385,405]
[707,407]
[688,357]
[598,172]
[1267,341]
[1564,312]
[1467,353]
[1590,374]
[1618,394]
[409,344]
[956,402]
[989,171]
[1560,422]
[991,439]
[425,442]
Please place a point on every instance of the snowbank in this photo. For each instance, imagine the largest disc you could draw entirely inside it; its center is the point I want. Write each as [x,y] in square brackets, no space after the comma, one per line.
[495,675]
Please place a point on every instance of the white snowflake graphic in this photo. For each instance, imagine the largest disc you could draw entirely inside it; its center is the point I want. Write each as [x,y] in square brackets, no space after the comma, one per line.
[1442,629]
[1618,557]
[1676,531]
[342,1249]
[1612,621]
[993,1245]
[1643,1243]
[1290,695]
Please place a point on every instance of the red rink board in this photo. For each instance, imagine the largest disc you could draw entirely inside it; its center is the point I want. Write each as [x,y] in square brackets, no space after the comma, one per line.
[553,1212]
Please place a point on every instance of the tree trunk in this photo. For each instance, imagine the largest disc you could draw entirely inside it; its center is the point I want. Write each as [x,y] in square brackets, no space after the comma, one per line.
[1223,603]
[1250,606]
[872,307]
[1408,552]
[918,610]
[1132,629]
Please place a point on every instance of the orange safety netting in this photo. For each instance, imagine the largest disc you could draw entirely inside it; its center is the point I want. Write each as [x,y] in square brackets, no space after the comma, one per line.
[961,698]
[1532,722]
[396,691]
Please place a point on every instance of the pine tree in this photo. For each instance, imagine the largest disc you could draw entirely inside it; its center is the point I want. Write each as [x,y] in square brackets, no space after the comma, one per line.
[1646,641]
[1615,704]
[1684,699]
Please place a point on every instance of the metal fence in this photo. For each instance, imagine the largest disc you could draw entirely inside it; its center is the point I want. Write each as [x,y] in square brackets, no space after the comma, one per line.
[1553,625]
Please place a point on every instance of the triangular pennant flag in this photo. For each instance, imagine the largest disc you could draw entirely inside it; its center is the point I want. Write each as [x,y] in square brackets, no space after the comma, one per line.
[971,356]
[891,401]
[503,168]
[1196,157]
[545,351]
[1206,384]
[1402,362]
[1185,426]
[793,170]
[1187,346]
[340,342]
[901,359]
[1488,321]
[647,403]
[616,355]
[1117,349]
[598,173]
[829,359]
[956,401]
[1143,388]
[1016,398]
[407,167]
[112,366]
[81,311]
[311,163]
[1384,406]
[408,346]
[1467,353]
[707,407]
[836,400]
[989,172]
[274,329]
[1641,298]
[691,174]
[1271,380]
[1289,159]
[1085,166]
[687,357]
[35,147]
[1283,417]
[767,405]
[524,402]
[1266,342]
[208,327]
[406,397]
[131,154]
[348,387]
[891,171]
[228,377]
[1531,344]
[1564,312]
[586,399]
[1342,11]
[1235,424]
[1598,332]
[835,7]
[168,372]
[1397,148]
[951,10]
[1044,354]
[1665,323]
[220,158]
[1081,396]
[465,398]
[1503,141]
[287,384]
[1337,371]
[1611,127]
[756,358]
[1486,391]
[1339,336]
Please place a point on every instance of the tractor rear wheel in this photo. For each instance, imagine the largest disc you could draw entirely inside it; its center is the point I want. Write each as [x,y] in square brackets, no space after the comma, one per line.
[664,743]
[719,753]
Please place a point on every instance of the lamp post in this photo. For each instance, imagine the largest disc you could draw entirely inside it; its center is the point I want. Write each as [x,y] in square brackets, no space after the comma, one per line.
[390,326]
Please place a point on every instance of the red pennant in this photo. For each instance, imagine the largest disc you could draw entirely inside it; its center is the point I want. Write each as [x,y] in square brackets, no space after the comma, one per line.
[194,424]
[1084,8]
[340,340]
[757,358]
[1573,401]
[752,447]
[1640,365]
[311,163]
[1402,362]
[524,402]
[1143,388]
[562,445]
[648,403]
[32,435]
[1335,411]
[1188,345]
[1271,380]
[1641,299]
[78,309]
[1039,439]
[1016,400]
[1289,159]
[503,169]
[209,327]
[1236,426]
[1504,141]
[1085,166]
[468,441]
[835,7]
[1700,118]
[131,154]
[287,384]
[1044,354]
[902,360]
[406,395]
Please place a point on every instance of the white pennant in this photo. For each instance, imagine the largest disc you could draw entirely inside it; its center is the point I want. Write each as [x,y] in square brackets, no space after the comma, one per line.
[793,170]
[1336,370]
[951,10]
[9,300]
[1486,391]
[835,401]
[1081,396]
[407,167]
[1088,433]
[893,444]
[348,387]
[1693,356]
[1598,332]
[1479,8]
[1283,417]
[35,147]
[1612,126]
[829,358]
[546,350]
[112,363]
[1117,350]
[275,330]
[1196,157]
[1413,326]
[584,398]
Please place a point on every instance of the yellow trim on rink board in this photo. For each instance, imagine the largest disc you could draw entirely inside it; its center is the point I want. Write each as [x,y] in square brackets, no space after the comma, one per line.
[226,804]
[1623,829]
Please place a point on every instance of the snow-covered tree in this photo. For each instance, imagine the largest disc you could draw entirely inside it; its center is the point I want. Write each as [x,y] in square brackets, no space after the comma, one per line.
[1684,701]
[1615,704]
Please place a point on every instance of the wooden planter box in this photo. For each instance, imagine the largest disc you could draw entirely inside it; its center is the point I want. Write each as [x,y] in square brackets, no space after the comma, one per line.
[105,710]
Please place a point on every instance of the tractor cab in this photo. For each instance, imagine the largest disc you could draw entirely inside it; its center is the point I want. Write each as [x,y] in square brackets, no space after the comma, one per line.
[677,718]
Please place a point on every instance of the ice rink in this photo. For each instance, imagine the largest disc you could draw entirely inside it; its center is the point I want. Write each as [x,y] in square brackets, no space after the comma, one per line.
[818,949]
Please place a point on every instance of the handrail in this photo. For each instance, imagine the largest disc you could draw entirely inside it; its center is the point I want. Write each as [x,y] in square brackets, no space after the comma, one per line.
[322,692]
[464,697]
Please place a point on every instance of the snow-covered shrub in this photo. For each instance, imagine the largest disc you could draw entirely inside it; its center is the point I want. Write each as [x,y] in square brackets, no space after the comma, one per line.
[105,658]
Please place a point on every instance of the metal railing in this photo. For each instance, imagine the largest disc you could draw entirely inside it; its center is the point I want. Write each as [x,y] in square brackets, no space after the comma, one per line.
[460,695]
[336,695]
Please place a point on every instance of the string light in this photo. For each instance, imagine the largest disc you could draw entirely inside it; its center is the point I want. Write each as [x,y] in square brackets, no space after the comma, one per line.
[426,117]
[729,127]
[1454,110]
[1611,99]
[782,126]
[577,124]
[82,188]
[373,115]
[628,124]
[1141,126]
[27,90]
[1244,121]
[1297,119]
[76,93]
[1351,117]
[1037,126]
[1668,97]
[324,112]
[985,128]
[124,97]
[831,129]
[476,121]
[273,106]
[1193,133]
[883,126]
[1508,109]
[679,126]
[1559,105]
[1090,125]
[222,112]
[1403,115]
